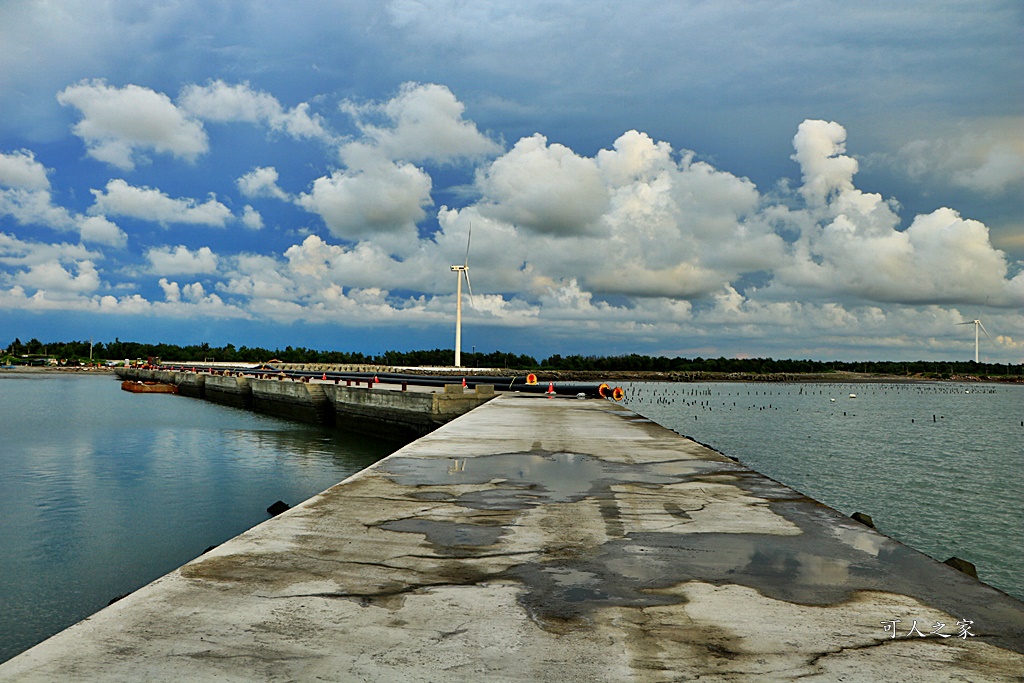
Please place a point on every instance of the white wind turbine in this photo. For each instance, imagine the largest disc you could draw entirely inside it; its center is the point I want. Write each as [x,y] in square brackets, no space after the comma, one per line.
[460,270]
[977,324]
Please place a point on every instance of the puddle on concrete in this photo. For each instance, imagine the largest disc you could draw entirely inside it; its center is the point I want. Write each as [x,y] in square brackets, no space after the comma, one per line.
[820,570]
[430,495]
[524,480]
[557,603]
[871,544]
[826,564]
[448,535]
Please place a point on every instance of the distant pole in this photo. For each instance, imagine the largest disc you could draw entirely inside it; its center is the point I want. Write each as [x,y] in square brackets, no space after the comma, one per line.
[90,349]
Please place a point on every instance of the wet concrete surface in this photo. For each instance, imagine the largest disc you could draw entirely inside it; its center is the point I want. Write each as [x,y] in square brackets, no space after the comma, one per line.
[537,539]
[826,563]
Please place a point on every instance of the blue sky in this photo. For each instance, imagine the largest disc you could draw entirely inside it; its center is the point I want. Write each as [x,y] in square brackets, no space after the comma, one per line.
[798,179]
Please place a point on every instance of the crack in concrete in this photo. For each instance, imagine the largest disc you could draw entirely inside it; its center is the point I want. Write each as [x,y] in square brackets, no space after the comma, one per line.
[444,635]
[383,565]
[480,556]
[368,598]
[813,661]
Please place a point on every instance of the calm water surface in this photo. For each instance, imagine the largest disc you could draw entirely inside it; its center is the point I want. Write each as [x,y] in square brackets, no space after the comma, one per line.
[103,491]
[938,466]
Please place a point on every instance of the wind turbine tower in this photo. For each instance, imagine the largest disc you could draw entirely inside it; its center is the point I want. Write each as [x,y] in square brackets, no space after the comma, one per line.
[460,271]
[977,324]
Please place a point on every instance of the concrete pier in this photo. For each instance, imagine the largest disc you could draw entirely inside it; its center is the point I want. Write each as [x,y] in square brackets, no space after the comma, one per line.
[394,411]
[539,539]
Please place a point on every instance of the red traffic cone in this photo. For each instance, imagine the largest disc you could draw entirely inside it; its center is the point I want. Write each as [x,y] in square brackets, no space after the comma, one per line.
[324,377]
[551,388]
[375,380]
[464,385]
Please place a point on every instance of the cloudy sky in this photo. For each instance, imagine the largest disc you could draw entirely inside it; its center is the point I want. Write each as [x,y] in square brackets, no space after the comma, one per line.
[828,180]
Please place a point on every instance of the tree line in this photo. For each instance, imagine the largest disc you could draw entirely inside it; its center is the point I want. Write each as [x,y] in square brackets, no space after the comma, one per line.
[77,351]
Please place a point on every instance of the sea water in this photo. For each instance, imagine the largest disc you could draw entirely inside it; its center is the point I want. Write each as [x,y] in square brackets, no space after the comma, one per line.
[938,466]
[104,491]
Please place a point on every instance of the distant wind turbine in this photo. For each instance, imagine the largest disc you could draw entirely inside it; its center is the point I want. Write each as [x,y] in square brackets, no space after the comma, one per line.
[460,270]
[977,324]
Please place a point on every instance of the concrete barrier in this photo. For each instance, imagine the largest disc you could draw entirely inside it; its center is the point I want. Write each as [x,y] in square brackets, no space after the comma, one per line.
[166,376]
[231,390]
[403,415]
[192,384]
[294,400]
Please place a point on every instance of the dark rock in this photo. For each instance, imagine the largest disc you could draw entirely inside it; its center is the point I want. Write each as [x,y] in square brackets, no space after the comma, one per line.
[962,565]
[277,508]
[863,519]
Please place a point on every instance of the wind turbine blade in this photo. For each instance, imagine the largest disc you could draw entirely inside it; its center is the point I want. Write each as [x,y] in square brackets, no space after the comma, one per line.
[986,332]
[470,286]
[468,240]
[966,322]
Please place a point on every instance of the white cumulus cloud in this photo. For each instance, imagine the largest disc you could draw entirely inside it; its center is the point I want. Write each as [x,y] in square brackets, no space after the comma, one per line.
[120,126]
[20,169]
[826,170]
[25,195]
[425,122]
[374,198]
[545,188]
[55,279]
[851,244]
[180,260]
[121,199]
[100,230]
[220,101]
[261,182]
[172,292]
[251,218]
[34,207]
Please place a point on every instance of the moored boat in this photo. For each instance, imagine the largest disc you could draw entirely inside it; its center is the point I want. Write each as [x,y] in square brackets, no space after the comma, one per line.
[149,387]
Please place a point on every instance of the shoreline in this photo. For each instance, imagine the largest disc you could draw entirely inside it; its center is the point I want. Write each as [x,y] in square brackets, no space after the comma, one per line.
[633,376]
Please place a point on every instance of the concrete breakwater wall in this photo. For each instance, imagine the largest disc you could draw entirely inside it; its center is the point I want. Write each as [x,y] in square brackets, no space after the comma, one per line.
[394,411]
[295,400]
[231,390]
[411,415]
